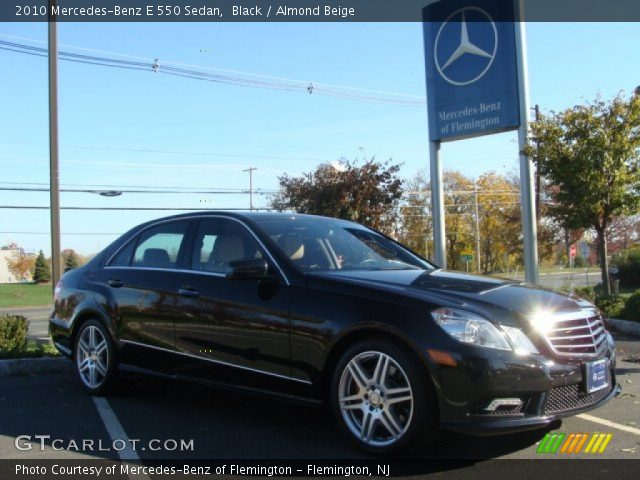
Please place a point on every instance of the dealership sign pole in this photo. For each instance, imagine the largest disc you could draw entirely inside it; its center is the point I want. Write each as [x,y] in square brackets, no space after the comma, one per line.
[477,85]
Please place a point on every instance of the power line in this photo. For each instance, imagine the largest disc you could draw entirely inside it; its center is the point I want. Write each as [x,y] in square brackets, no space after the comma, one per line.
[294,86]
[181,153]
[62,233]
[178,209]
[186,189]
[149,60]
[201,192]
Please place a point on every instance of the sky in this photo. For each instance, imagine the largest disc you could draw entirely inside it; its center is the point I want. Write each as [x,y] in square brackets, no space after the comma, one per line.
[136,128]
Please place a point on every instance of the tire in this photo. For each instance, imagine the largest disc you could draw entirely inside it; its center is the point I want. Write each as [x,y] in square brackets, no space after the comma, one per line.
[383,398]
[94,357]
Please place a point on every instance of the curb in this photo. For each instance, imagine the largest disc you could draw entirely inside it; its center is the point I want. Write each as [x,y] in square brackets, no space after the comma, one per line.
[30,366]
[625,326]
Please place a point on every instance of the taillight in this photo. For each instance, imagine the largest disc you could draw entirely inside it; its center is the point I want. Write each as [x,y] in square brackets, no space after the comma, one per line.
[57,290]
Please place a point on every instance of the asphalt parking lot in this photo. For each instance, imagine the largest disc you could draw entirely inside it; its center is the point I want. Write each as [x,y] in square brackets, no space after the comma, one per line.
[225,424]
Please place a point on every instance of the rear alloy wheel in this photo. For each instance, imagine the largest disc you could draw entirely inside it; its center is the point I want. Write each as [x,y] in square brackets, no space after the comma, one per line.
[94,354]
[381,397]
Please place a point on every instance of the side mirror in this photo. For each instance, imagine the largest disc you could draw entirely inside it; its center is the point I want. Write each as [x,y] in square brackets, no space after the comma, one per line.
[248,269]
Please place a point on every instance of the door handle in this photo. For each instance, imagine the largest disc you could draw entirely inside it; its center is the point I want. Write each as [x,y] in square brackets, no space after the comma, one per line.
[188,292]
[115,283]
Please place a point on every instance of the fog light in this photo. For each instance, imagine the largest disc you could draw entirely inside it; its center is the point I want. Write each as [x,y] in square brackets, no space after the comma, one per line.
[503,402]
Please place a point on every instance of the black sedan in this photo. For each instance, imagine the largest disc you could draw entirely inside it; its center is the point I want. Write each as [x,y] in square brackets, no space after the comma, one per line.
[327,311]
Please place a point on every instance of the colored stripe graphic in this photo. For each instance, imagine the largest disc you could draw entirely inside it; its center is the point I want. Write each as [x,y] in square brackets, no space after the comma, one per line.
[550,443]
[598,443]
[573,443]
[585,436]
[605,442]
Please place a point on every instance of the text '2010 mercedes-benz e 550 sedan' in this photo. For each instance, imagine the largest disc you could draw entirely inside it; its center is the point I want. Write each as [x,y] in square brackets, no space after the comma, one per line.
[325,310]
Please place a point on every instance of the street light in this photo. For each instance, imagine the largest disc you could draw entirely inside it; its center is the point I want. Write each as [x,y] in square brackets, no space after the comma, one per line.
[107,193]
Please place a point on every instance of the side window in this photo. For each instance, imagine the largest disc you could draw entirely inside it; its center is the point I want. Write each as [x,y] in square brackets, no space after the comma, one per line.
[159,246]
[123,258]
[220,241]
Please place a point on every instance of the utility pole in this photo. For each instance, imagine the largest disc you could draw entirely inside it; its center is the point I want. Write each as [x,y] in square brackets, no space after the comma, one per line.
[475,194]
[54,169]
[250,170]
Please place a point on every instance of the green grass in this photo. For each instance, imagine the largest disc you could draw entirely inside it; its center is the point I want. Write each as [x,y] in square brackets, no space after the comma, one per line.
[34,350]
[25,295]
[568,270]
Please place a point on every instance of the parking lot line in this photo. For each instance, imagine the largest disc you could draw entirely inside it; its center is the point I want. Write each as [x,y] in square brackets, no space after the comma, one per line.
[608,423]
[114,428]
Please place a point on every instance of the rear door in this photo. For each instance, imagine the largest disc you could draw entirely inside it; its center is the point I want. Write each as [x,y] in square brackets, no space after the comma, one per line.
[238,323]
[141,280]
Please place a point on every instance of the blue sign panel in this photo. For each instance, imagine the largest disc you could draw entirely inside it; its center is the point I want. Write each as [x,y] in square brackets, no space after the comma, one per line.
[472,81]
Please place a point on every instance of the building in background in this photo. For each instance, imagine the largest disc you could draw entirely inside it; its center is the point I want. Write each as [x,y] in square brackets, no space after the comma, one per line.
[6,252]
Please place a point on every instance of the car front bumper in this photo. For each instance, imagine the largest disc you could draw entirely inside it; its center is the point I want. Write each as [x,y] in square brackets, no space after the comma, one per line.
[549,389]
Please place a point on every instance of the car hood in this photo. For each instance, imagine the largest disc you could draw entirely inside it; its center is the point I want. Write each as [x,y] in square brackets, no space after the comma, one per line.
[502,300]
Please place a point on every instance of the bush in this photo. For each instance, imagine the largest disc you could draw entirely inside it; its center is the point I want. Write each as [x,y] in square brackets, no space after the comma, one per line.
[588,293]
[632,308]
[612,306]
[628,263]
[579,262]
[13,334]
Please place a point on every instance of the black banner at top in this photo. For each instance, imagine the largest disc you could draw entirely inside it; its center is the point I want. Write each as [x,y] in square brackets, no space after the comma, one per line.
[297,10]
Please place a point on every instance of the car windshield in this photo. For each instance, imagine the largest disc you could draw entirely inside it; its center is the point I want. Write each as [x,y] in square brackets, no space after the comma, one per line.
[317,244]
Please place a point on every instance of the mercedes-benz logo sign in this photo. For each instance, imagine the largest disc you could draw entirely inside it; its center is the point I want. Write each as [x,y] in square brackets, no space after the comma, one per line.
[448,61]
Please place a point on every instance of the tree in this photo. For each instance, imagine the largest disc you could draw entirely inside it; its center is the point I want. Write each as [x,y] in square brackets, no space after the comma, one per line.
[500,223]
[41,270]
[20,264]
[70,259]
[590,153]
[416,226]
[458,198]
[368,193]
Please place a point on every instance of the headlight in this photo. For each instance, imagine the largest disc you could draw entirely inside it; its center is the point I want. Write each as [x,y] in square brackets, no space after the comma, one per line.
[467,327]
[521,343]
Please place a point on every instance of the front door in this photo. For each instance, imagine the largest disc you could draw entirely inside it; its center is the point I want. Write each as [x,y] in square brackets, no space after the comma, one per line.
[234,323]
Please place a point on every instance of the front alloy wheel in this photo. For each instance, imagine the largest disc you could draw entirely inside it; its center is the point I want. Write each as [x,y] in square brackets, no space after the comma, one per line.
[383,398]
[94,357]
[375,398]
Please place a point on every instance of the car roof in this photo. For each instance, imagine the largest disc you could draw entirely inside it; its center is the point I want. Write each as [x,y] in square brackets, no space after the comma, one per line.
[252,215]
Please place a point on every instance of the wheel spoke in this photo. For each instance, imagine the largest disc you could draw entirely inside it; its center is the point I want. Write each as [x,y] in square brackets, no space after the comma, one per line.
[101,347]
[92,337]
[84,365]
[397,395]
[102,370]
[358,375]
[380,372]
[93,379]
[366,430]
[352,398]
[84,347]
[390,424]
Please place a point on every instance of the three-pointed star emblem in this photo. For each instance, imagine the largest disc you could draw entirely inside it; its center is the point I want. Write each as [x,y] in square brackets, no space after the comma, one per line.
[453,67]
[466,46]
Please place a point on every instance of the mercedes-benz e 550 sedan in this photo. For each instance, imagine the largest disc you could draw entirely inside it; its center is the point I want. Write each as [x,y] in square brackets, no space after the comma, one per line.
[325,310]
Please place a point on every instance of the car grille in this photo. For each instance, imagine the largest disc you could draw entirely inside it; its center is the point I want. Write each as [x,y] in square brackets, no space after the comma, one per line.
[570,397]
[579,334]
